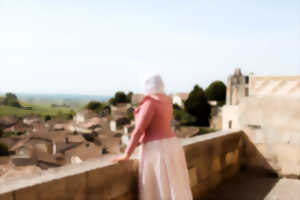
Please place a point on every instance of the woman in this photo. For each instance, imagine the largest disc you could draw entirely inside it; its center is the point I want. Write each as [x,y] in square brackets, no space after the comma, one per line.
[163,173]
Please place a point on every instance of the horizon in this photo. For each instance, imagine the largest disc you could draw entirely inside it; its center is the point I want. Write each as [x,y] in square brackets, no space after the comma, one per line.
[98,48]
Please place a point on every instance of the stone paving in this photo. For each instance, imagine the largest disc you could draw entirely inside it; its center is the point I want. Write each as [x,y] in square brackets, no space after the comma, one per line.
[257,186]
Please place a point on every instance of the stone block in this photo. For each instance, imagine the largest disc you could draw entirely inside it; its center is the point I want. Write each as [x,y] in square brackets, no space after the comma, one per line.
[230,143]
[200,190]
[202,172]
[193,176]
[214,181]
[53,190]
[7,196]
[128,196]
[112,181]
[216,165]
[29,193]
[232,158]
[75,188]
[230,171]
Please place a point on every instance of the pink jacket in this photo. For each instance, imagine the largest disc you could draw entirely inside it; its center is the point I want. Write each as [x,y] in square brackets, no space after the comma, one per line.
[153,121]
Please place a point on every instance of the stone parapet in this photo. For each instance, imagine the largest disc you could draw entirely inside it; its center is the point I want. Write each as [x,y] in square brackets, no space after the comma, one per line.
[211,159]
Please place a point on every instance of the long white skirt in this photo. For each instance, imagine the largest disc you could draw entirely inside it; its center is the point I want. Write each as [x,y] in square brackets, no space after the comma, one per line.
[163,173]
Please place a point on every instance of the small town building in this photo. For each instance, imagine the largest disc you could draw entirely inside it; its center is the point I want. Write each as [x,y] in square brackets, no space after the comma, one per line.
[85,115]
[179,98]
[136,99]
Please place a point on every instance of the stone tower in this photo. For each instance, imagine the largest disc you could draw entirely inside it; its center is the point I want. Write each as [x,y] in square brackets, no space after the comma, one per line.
[237,87]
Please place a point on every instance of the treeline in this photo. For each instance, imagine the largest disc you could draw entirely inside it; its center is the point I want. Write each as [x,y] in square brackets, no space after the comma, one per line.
[10,99]
[197,110]
[119,97]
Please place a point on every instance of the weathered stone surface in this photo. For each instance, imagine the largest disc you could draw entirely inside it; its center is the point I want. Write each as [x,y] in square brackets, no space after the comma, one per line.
[128,196]
[193,176]
[216,165]
[206,161]
[272,126]
[214,181]
[202,172]
[230,143]
[112,181]
[7,196]
[31,193]
[200,190]
[53,190]
[75,188]
[232,158]
[230,171]
[251,185]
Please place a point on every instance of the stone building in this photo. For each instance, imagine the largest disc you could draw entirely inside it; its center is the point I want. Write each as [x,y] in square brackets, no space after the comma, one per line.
[179,98]
[237,90]
[240,88]
[85,115]
[237,87]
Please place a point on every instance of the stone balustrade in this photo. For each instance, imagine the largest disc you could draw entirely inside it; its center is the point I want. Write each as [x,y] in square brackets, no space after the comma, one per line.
[211,159]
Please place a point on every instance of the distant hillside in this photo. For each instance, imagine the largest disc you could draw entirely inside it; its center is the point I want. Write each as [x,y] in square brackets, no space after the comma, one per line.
[72,100]
[28,108]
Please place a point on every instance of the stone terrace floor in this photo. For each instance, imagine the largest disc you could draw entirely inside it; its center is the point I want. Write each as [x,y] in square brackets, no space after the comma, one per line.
[257,186]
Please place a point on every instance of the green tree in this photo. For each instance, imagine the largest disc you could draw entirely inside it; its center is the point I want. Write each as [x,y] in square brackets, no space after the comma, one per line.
[47,117]
[11,100]
[182,116]
[94,105]
[197,105]
[216,91]
[120,97]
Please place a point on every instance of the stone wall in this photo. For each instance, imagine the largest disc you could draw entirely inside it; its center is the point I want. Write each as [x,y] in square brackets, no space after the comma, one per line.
[275,86]
[230,117]
[211,159]
[237,87]
[272,126]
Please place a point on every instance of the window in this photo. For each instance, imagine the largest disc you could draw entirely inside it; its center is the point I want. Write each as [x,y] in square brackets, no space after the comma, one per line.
[246,92]
[247,79]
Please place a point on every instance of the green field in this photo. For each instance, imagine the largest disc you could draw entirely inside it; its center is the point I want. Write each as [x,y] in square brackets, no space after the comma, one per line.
[41,110]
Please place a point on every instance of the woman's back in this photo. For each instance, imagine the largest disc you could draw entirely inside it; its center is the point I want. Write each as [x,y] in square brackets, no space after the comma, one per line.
[160,124]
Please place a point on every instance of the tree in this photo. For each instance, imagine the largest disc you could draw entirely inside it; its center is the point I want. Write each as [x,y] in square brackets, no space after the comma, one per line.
[120,97]
[182,116]
[47,117]
[11,100]
[216,91]
[197,105]
[94,105]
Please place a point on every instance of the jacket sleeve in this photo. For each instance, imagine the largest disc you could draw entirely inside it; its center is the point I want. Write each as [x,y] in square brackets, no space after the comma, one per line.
[143,120]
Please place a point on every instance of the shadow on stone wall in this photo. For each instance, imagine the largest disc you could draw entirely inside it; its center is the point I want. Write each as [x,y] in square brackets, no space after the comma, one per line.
[247,185]
[254,159]
[253,181]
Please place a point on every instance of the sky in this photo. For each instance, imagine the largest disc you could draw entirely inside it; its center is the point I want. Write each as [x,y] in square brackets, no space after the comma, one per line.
[99,47]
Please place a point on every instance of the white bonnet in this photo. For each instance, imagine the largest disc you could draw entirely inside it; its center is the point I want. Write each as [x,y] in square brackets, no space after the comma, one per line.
[154,84]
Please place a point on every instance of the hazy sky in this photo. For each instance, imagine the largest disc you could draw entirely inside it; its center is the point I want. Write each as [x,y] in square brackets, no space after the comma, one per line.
[99,47]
